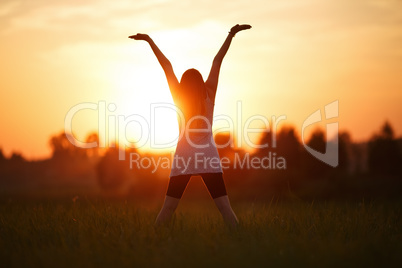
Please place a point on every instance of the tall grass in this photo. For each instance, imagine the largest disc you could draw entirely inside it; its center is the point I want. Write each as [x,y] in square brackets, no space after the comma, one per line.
[101,233]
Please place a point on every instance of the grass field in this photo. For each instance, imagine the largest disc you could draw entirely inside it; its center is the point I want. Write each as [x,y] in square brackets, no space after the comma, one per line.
[104,233]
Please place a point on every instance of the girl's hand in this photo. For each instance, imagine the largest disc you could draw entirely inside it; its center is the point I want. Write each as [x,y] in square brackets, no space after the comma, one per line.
[237,28]
[139,36]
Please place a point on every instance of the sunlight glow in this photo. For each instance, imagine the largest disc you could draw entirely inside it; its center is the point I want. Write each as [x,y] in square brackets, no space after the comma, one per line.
[136,93]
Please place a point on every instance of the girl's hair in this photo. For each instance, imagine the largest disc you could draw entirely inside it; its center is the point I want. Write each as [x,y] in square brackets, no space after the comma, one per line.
[192,94]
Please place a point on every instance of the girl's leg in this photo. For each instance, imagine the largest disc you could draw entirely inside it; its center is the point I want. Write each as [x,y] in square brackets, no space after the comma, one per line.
[169,206]
[226,210]
[177,185]
[217,190]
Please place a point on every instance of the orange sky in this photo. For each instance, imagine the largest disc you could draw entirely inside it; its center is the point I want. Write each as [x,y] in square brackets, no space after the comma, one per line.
[298,57]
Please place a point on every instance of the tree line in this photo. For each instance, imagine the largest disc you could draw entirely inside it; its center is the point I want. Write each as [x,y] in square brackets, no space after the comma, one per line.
[360,164]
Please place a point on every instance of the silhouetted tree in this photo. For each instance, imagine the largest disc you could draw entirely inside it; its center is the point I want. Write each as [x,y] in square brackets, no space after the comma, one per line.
[345,147]
[289,147]
[313,167]
[93,152]
[62,148]
[111,172]
[266,140]
[317,141]
[384,155]
[2,157]
[267,145]
[16,157]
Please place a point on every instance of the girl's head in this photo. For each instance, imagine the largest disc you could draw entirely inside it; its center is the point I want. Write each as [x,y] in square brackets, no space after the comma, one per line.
[192,93]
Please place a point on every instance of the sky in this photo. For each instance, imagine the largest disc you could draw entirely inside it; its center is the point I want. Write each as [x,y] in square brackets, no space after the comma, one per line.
[62,56]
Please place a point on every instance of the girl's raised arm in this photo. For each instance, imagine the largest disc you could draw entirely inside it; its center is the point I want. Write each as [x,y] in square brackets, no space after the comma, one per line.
[164,62]
[212,81]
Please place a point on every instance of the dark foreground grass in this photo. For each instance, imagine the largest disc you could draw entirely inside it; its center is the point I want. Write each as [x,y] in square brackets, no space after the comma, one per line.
[88,233]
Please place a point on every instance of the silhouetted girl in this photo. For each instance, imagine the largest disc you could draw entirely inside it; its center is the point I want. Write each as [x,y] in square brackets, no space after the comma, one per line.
[196,153]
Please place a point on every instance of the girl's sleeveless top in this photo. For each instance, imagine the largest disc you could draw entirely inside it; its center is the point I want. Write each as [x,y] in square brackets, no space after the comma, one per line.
[196,151]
